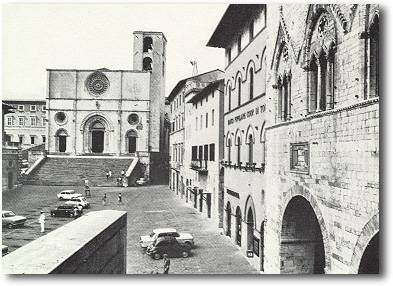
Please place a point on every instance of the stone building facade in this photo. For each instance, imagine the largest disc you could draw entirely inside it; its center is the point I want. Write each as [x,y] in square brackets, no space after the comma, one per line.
[27,124]
[116,113]
[177,99]
[204,139]
[314,206]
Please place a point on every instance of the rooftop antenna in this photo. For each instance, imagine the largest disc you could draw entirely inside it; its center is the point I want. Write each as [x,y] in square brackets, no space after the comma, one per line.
[194,68]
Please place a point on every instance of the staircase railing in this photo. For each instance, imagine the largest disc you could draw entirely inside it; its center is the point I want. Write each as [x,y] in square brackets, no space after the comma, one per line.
[36,164]
[131,167]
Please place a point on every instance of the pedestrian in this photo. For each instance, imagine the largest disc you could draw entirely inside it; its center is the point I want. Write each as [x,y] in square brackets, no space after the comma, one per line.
[104,200]
[119,182]
[41,220]
[167,263]
[87,188]
[122,173]
[76,212]
[119,199]
[107,175]
[110,173]
[124,182]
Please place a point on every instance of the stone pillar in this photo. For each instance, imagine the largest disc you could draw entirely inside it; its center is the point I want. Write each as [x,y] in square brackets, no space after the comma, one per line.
[319,89]
[329,84]
[289,97]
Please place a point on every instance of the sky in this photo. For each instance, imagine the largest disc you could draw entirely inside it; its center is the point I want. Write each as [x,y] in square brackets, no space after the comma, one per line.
[91,36]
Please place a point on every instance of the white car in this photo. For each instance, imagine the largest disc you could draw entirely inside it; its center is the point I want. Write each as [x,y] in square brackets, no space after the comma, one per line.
[11,220]
[68,195]
[81,201]
[147,240]
[141,182]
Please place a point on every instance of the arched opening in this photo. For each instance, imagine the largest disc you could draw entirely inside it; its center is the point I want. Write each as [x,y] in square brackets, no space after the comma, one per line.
[302,250]
[374,57]
[238,226]
[323,81]
[131,137]
[97,130]
[313,78]
[251,83]
[250,149]
[250,229]
[229,97]
[262,254]
[61,140]
[147,64]
[369,264]
[239,91]
[147,44]
[228,219]
[238,150]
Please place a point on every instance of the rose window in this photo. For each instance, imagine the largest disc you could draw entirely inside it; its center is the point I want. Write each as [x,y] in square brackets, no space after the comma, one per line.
[97,83]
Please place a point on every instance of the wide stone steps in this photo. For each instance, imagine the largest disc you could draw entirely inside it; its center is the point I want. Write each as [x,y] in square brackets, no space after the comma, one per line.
[63,171]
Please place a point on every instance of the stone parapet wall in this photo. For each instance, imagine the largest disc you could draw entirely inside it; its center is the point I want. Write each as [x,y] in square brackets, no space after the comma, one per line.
[95,243]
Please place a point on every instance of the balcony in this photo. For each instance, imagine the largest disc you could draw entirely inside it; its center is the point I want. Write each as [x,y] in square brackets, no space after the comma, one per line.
[200,166]
[247,167]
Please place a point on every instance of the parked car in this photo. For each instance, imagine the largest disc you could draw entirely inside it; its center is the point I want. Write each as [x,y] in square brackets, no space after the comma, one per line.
[4,249]
[68,194]
[146,240]
[11,220]
[74,205]
[170,246]
[80,201]
[65,211]
[141,182]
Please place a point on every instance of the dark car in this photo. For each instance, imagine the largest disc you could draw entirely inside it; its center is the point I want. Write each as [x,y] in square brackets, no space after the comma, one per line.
[170,246]
[66,211]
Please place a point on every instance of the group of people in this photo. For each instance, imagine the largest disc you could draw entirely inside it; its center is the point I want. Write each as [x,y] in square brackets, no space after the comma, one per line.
[105,199]
[121,181]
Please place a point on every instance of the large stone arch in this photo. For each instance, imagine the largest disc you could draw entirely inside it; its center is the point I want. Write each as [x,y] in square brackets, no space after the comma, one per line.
[86,130]
[250,217]
[301,191]
[368,232]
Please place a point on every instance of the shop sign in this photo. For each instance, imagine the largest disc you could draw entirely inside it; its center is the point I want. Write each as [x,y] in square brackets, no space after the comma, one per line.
[247,114]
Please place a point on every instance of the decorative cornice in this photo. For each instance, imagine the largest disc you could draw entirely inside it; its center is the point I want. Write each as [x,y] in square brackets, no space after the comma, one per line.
[328,112]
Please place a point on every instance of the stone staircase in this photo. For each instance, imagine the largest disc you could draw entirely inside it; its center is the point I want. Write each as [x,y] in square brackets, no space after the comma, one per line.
[71,171]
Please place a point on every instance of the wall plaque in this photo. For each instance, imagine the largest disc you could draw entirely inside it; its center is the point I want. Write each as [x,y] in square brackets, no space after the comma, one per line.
[300,157]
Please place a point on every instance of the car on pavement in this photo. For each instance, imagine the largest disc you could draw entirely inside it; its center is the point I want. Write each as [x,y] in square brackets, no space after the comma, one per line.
[68,194]
[11,220]
[65,211]
[81,201]
[146,240]
[4,249]
[168,245]
[74,205]
[141,182]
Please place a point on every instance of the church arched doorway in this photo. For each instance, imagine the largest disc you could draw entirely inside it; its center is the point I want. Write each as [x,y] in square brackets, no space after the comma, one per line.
[301,250]
[369,264]
[131,137]
[97,131]
[61,140]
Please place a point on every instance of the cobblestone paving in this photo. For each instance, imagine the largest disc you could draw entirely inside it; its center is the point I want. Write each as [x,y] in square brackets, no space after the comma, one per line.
[147,207]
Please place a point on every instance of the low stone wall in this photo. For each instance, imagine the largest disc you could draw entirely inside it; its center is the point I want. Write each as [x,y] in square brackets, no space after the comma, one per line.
[95,243]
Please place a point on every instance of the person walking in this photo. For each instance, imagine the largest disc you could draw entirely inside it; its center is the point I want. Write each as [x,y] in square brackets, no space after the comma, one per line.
[107,175]
[41,220]
[104,200]
[119,198]
[167,263]
[76,214]
[110,173]
[122,173]
[87,188]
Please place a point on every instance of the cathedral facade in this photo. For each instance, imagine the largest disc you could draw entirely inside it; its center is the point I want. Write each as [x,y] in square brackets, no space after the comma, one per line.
[117,113]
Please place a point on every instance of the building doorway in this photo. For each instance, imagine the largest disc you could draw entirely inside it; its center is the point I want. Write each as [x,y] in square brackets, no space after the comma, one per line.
[97,137]
[228,219]
[369,264]
[10,180]
[131,144]
[61,140]
[250,230]
[302,249]
[238,226]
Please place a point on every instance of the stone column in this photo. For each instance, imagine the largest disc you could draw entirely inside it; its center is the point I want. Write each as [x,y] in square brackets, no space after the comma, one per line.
[319,89]
[282,88]
[289,97]
[329,84]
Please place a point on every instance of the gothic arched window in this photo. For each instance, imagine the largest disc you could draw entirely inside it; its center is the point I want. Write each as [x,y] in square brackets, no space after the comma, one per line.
[251,83]
[321,64]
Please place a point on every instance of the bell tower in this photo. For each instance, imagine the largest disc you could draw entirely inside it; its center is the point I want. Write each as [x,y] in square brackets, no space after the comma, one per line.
[150,56]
